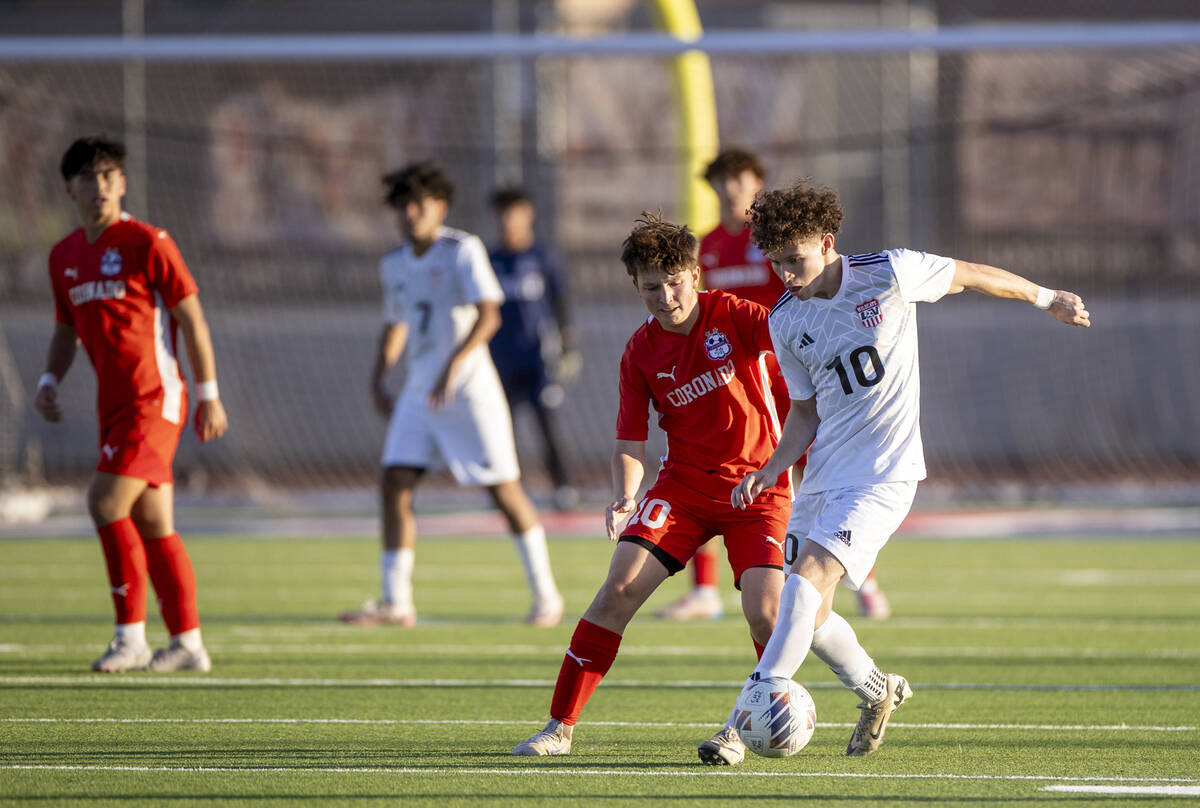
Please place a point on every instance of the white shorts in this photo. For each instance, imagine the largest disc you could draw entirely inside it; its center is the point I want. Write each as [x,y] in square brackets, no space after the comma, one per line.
[853,524]
[472,435]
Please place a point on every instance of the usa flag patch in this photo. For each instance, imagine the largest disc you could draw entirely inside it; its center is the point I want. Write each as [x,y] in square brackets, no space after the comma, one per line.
[870,313]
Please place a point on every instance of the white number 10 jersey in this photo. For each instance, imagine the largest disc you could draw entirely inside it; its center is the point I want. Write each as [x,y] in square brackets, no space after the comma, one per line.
[857,353]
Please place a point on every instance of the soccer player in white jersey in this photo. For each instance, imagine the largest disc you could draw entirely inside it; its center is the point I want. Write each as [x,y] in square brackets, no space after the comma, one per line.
[441,306]
[846,341]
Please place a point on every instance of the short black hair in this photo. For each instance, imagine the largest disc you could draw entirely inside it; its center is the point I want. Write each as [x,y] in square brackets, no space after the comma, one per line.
[417,180]
[87,151]
[505,198]
[733,162]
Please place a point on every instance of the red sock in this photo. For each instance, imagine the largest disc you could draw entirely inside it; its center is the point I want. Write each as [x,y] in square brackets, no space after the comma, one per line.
[758,649]
[588,658]
[704,569]
[126,562]
[174,581]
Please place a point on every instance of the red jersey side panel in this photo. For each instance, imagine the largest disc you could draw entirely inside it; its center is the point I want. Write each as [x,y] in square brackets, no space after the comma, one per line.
[116,293]
[730,261]
[710,389]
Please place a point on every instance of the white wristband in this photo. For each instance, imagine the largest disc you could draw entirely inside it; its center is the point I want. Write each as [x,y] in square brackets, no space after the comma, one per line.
[207,391]
[1044,298]
[47,380]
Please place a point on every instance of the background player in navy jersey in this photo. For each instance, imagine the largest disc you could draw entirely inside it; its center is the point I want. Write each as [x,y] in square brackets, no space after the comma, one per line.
[535,349]
[846,340]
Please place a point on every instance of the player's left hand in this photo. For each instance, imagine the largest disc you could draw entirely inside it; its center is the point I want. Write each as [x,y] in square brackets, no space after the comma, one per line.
[615,514]
[1067,307]
[748,489]
[211,421]
[566,370]
[443,391]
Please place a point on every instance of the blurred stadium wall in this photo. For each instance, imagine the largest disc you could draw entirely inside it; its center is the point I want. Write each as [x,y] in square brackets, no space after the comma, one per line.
[1079,168]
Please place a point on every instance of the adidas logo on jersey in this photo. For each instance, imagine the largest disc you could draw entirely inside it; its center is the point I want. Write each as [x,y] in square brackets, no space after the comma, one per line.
[843,536]
[806,340]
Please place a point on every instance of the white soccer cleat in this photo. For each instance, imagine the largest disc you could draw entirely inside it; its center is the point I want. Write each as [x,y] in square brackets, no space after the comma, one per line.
[873,604]
[697,604]
[123,656]
[177,658]
[868,733]
[723,749]
[554,739]
[546,612]
[380,613]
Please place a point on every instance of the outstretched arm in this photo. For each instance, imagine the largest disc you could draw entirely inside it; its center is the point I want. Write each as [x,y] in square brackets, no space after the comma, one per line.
[798,432]
[628,467]
[211,421]
[1066,307]
[58,362]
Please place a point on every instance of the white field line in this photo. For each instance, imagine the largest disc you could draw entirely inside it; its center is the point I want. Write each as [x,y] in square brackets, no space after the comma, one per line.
[639,650]
[212,681]
[1133,791]
[521,723]
[558,771]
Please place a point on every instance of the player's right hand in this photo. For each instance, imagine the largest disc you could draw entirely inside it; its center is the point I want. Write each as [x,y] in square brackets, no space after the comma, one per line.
[748,489]
[46,402]
[615,513]
[382,400]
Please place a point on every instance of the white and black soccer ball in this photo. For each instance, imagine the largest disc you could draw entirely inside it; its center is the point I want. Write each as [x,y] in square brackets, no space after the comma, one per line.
[776,717]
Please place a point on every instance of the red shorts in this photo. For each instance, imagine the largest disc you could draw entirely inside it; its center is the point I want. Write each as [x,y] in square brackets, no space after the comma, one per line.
[141,446]
[673,520]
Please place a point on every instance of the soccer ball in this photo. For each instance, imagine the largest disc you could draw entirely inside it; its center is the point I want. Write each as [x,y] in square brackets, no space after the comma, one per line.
[775,717]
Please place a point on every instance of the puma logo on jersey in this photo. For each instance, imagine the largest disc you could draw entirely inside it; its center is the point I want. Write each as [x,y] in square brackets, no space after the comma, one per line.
[70,272]
[109,451]
[571,654]
[670,375]
[776,542]
[121,590]
[806,340]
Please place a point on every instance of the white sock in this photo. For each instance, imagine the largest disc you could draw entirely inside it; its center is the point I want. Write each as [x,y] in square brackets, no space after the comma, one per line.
[837,646]
[535,558]
[132,633]
[395,572]
[189,639]
[793,634]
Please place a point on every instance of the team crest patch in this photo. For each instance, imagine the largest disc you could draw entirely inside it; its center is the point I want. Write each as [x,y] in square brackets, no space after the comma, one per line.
[716,345]
[110,264]
[870,313]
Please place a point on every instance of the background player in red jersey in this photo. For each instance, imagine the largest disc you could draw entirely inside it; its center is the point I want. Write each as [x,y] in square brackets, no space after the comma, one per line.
[121,289]
[729,260]
[699,361]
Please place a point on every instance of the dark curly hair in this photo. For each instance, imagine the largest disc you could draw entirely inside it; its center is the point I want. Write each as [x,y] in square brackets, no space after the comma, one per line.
[782,217]
[656,244]
[415,181]
[732,162]
[87,151]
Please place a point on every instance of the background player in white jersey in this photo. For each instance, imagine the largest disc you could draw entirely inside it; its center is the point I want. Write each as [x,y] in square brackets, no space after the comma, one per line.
[847,343]
[441,306]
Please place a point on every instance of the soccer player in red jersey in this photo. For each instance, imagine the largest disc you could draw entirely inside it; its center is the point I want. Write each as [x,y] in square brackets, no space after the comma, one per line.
[121,290]
[699,362]
[729,260]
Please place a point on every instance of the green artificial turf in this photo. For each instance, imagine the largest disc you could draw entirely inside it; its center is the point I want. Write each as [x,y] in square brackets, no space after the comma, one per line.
[1036,663]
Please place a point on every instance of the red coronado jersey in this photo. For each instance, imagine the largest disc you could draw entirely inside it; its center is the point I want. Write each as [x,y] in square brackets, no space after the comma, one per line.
[710,388]
[730,261]
[116,294]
